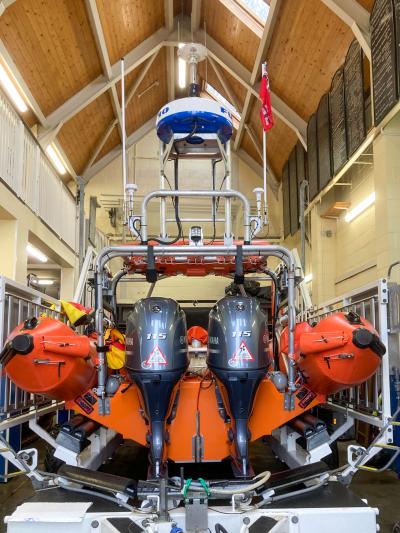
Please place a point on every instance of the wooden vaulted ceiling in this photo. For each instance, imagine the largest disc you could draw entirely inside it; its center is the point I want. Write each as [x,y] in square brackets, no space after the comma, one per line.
[55,49]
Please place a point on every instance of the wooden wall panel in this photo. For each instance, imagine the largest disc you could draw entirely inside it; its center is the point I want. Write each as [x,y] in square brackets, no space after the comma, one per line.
[53,47]
[309,45]
[230,32]
[126,23]
[141,109]
[80,135]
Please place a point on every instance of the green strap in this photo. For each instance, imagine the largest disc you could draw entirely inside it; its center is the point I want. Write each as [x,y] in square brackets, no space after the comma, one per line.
[204,485]
[186,487]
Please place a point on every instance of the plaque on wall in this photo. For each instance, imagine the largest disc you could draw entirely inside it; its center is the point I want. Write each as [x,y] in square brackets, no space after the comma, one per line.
[323,142]
[354,97]
[383,51]
[301,167]
[337,119]
[294,193]
[312,157]
[301,163]
[396,4]
[286,200]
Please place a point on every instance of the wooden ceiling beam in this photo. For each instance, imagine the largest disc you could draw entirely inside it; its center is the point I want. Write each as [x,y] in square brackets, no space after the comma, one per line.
[195,17]
[356,17]
[244,16]
[171,56]
[133,138]
[100,85]
[226,86]
[169,14]
[101,45]
[4,4]
[243,76]
[243,120]
[99,146]
[7,60]
[265,40]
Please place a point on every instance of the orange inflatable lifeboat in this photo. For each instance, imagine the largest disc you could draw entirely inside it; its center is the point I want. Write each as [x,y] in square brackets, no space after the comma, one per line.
[340,351]
[45,356]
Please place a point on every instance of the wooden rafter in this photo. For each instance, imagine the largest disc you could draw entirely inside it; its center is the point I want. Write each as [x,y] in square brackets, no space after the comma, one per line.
[356,17]
[100,85]
[97,29]
[195,16]
[133,138]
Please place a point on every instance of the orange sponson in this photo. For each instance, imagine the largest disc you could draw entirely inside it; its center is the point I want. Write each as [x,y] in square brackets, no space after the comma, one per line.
[125,417]
[60,365]
[328,357]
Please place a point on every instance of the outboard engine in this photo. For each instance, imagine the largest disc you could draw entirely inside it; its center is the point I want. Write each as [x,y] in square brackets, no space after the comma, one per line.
[238,356]
[156,358]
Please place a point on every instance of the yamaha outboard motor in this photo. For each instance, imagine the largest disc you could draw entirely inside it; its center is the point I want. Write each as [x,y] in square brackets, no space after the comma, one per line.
[157,358]
[237,355]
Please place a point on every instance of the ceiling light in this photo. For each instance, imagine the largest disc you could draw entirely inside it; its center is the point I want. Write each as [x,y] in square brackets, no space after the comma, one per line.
[55,159]
[12,91]
[41,281]
[181,73]
[37,254]
[308,278]
[362,206]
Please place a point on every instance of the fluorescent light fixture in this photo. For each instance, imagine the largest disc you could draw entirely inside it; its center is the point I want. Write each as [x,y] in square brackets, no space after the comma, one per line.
[181,73]
[308,278]
[12,91]
[55,159]
[362,206]
[42,281]
[37,254]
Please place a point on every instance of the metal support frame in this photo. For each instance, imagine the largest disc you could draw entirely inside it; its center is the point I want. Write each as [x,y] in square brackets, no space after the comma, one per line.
[111,252]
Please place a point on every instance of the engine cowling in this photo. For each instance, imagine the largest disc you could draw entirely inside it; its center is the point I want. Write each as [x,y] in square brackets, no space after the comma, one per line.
[156,359]
[238,356]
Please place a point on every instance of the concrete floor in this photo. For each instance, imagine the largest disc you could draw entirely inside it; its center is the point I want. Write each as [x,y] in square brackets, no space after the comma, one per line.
[381,490]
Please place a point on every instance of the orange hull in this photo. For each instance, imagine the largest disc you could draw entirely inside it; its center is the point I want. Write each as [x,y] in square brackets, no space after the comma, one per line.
[268,414]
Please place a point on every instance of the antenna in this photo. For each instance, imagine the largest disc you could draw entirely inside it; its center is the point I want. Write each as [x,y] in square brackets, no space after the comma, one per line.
[124,180]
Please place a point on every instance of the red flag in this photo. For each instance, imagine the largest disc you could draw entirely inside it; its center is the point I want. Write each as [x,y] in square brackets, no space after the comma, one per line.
[267,118]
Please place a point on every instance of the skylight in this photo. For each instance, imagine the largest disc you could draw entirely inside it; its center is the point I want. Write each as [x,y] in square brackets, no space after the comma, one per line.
[259,8]
[218,96]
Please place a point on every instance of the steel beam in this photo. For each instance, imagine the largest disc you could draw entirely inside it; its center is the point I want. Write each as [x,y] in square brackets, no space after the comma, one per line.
[356,17]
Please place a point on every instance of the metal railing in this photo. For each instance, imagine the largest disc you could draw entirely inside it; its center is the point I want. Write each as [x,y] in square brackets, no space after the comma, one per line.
[17,303]
[370,401]
[25,169]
